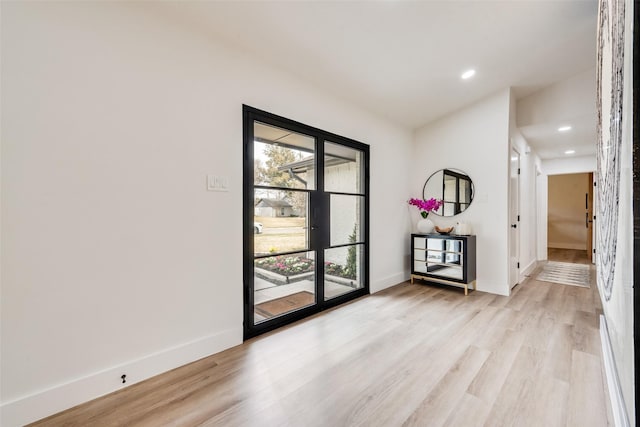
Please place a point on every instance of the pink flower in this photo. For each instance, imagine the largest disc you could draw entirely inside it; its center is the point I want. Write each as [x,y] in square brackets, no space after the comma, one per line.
[426,206]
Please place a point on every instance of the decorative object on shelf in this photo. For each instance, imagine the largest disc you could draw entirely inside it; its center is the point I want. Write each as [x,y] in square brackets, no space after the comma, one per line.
[425,226]
[444,230]
[453,187]
[426,206]
[463,229]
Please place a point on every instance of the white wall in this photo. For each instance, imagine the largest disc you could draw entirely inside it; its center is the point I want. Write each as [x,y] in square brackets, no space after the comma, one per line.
[578,164]
[542,199]
[527,254]
[566,100]
[618,310]
[115,257]
[475,140]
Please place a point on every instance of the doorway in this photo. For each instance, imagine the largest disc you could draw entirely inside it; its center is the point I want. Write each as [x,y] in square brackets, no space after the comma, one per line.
[306,220]
[570,234]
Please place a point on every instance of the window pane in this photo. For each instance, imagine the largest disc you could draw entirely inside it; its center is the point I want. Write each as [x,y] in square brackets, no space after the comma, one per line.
[283,158]
[448,209]
[346,216]
[449,191]
[283,284]
[343,270]
[465,191]
[280,221]
[343,169]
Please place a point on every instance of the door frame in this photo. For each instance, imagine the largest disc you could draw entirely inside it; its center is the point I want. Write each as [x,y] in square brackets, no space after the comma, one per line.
[317,240]
[514,219]
[590,218]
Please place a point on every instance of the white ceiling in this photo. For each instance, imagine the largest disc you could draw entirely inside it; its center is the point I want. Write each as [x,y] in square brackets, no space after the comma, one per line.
[402,60]
[549,143]
[570,102]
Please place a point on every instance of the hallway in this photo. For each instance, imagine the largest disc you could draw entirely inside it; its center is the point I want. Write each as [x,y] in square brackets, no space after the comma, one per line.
[568,255]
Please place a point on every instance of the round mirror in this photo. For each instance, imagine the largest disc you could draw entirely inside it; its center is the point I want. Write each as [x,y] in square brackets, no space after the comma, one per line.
[453,187]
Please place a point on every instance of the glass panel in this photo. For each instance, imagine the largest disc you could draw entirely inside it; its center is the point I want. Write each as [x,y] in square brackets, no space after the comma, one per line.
[283,158]
[453,258]
[343,169]
[444,251]
[436,244]
[283,284]
[449,190]
[465,192]
[420,266]
[452,272]
[346,218]
[448,209]
[280,223]
[453,186]
[453,245]
[435,256]
[343,270]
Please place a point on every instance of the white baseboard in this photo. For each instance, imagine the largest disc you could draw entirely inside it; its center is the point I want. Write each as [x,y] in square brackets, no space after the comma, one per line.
[527,270]
[613,383]
[387,282]
[33,407]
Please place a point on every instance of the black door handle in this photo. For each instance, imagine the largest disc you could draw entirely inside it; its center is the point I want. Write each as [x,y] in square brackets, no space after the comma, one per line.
[514,225]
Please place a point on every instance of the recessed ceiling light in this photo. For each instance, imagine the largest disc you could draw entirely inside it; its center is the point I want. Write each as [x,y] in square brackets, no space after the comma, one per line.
[564,128]
[570,152]
[468,74]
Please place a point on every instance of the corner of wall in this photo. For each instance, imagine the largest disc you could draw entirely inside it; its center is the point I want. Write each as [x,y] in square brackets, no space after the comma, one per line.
[33,407]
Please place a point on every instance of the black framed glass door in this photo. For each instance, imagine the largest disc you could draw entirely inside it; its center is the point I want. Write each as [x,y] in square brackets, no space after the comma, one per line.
[305,220]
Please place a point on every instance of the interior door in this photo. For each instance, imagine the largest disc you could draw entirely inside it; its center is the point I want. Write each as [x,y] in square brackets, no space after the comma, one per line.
[514,217]
[305,220]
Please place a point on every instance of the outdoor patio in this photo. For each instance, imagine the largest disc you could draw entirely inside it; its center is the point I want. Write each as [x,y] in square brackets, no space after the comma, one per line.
[267,291]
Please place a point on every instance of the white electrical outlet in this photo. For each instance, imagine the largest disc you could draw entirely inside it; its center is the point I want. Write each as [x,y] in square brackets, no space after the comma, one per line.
[217,183]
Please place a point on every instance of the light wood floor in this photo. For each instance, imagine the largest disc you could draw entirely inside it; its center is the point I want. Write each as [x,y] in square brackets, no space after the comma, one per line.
[412,355]
[574,256]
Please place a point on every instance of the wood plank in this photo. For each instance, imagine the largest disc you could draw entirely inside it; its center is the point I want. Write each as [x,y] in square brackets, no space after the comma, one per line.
[411,354]
[490,379]
[444,398]
[471,412]
[586,387]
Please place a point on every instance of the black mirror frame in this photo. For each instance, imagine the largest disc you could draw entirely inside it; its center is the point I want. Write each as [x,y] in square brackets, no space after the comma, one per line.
[453,172]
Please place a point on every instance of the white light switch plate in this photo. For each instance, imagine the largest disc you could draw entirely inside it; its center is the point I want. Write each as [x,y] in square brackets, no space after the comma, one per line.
[217,183]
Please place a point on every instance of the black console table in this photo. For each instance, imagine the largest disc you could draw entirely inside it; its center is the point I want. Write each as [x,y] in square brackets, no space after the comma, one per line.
[447,259]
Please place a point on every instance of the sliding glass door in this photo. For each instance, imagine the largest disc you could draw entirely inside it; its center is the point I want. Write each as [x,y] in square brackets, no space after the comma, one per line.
[305,220]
